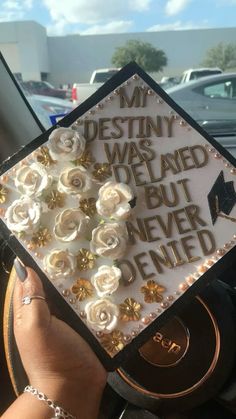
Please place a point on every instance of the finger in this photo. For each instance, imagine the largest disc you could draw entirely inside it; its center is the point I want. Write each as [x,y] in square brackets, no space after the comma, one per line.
[37,312]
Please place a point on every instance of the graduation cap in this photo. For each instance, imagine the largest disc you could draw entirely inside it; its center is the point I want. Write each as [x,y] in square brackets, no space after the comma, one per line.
[55,214]
[221,198]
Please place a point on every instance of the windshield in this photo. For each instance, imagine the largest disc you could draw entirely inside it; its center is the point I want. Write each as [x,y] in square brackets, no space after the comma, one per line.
[121,206]
[74,42]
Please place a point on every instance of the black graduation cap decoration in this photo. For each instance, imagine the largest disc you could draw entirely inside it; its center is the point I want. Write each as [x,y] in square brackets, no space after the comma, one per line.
[111,207]
[221,198]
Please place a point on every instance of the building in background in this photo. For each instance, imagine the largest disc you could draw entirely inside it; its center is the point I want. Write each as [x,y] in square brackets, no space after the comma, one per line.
[33,55]
[24,46]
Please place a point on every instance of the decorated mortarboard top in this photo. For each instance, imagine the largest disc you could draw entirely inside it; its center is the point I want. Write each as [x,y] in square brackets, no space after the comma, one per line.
[126,207]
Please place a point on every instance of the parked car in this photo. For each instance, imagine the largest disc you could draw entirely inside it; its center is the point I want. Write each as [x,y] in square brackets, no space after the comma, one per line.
[81,91]
[197,73]
[211,101]
[210,98]
[45,106]
[43,88]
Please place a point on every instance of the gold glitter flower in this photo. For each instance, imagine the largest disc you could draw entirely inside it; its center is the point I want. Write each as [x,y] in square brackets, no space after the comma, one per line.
[113,342]
[88,206]
[102,171]
[85,260]
[130,310]
[3,194]
[21,235]
[82,289]
[40,238]
[55,199]
[85,160]
[152,292]
[44,157]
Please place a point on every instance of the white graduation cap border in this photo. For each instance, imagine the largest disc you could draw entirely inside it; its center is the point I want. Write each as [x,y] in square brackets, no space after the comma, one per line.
[189,286]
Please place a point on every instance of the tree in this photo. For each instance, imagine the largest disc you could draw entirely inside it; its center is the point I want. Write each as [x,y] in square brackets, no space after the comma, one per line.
[149,58]
[222,56]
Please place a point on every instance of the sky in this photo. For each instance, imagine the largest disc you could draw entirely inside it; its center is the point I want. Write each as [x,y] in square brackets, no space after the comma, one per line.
[87,17]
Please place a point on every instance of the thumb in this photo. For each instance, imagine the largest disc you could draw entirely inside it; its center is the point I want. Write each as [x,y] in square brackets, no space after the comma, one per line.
[36,313]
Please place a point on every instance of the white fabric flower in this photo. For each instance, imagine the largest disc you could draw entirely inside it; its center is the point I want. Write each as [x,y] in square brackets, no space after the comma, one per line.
[23,215]
[65,144]
[114,200]
[102,314]
[106,280]
[74,181]
[70,224]
[60,263]
[32,180]
[109,240]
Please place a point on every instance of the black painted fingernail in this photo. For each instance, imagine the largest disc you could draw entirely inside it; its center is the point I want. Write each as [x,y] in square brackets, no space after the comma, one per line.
[20,269]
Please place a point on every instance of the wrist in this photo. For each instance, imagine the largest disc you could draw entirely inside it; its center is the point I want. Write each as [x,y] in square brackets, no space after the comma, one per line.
[78,398]
[58,411]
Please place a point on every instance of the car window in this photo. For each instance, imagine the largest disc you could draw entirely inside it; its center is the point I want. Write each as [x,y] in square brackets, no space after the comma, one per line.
[39,85]
[103,77]
[224,90]
[204,73]
[48,85]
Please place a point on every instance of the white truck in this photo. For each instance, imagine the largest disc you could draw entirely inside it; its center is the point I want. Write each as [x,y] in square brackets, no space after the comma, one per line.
[197,73]
[81,91]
